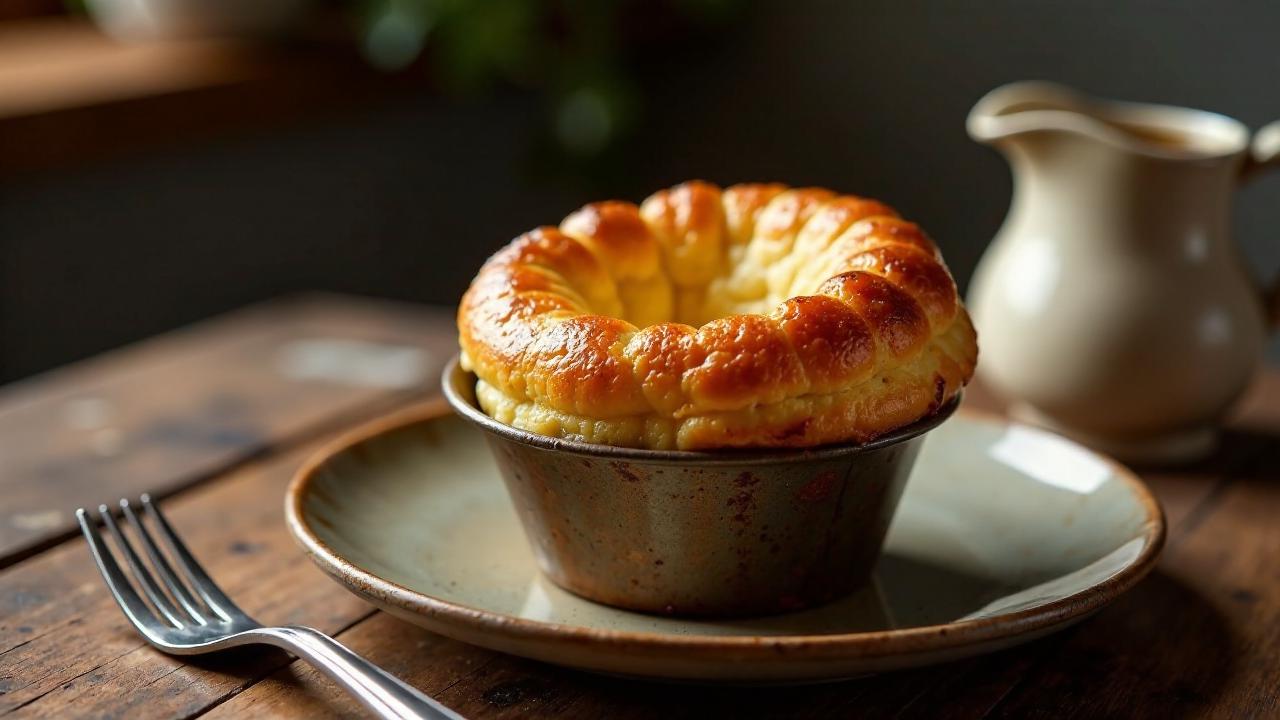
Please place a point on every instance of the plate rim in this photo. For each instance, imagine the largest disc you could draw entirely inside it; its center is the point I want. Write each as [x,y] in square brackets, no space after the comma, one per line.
[853,645]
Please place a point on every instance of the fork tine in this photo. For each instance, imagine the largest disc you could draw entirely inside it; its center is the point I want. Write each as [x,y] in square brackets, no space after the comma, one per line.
[208,589]
[171,580]
[140,572]
[117,582]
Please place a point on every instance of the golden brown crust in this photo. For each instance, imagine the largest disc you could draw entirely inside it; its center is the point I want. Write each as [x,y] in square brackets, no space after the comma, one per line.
[756,316]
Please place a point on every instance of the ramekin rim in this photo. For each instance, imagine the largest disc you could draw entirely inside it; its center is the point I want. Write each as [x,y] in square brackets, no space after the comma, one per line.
[470,412]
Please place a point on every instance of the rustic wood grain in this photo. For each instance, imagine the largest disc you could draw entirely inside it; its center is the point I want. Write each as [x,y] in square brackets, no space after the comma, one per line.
[66,649]
[184,407]
[1197,638]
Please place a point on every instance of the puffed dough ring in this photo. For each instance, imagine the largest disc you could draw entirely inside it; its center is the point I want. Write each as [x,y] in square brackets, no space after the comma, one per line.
[756,316]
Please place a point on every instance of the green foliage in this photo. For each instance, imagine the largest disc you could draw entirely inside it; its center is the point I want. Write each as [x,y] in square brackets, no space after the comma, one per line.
[573,52]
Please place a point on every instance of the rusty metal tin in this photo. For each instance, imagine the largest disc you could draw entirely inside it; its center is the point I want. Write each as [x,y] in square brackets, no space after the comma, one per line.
[730,533]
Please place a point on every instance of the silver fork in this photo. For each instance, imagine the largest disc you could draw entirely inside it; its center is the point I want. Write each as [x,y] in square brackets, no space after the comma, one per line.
[190,615]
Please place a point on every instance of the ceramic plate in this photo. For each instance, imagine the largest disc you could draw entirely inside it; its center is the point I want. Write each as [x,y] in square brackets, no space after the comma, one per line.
[1004,534]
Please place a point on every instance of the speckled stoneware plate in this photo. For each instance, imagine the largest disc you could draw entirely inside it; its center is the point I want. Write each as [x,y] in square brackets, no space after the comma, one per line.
[1004,534]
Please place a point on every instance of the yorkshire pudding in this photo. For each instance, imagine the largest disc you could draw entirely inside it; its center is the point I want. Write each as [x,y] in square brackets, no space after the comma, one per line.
[755,316]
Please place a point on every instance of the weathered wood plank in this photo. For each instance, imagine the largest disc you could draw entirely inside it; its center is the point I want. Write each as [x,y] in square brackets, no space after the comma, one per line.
[66,649]
[186,406]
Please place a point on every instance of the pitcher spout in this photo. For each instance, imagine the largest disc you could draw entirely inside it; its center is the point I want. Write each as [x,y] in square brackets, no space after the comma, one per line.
[1012,113]
[1022,108]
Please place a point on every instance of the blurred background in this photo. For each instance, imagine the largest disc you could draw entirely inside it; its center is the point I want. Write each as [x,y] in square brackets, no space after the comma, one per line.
[162,161]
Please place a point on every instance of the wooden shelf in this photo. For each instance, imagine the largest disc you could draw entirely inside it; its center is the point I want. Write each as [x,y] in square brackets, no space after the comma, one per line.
[70,95]
[58,64]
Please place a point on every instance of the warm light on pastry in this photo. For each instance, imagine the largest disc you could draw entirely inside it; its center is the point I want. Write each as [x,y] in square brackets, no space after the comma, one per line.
[756,316]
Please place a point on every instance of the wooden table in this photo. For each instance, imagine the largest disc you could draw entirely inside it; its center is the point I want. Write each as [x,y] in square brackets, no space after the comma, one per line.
[217,417]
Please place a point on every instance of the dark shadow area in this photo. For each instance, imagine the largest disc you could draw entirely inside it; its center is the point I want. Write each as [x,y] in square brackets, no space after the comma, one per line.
[1162,651]
[1238,449]
[249,662]
[1257,452]
[904,592]
[921,593]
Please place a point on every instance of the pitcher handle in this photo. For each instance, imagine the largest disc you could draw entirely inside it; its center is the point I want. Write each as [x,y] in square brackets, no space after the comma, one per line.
[1264,151]
[1264,154]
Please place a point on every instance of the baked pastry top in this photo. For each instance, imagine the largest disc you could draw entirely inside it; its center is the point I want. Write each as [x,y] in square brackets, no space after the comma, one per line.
[755,316]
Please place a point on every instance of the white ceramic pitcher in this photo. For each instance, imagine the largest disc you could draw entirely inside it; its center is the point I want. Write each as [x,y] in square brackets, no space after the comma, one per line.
[1113,305]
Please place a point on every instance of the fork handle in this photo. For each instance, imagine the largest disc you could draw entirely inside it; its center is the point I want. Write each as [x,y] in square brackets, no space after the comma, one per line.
[385,695]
